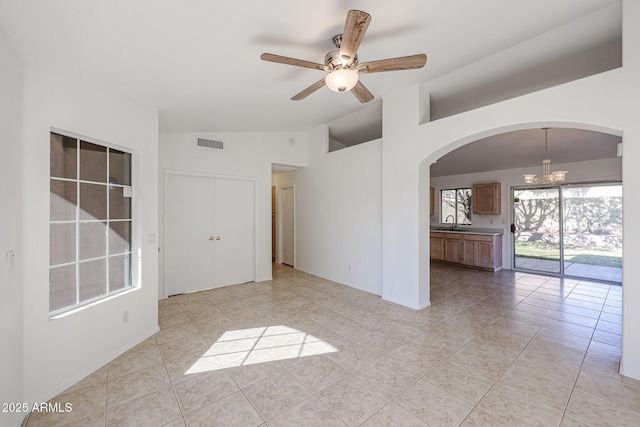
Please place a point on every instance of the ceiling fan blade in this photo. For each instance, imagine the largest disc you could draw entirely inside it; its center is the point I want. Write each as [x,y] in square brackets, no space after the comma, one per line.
[393,64]
[291,61]
[308,91]
[362,93]
[354,29]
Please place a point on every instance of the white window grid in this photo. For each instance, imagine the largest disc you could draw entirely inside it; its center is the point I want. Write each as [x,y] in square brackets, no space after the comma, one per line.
[77,221]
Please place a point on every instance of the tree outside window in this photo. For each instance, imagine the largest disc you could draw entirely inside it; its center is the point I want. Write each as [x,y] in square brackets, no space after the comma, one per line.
[456,206]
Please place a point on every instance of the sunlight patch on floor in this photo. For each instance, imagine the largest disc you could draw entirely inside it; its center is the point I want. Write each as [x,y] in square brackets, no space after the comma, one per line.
[259,345]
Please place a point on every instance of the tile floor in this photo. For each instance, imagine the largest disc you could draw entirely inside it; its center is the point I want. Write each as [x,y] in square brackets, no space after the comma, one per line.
[504,349]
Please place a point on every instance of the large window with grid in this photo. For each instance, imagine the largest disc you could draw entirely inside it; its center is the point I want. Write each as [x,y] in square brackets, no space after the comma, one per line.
[90,222]
[455,206]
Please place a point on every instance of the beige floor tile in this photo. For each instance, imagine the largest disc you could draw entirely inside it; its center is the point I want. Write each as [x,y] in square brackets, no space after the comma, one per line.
[393,415]
[542,385]
[85,402]
[625,394]
[557,351]
[479,363]
[234,410]
[310,413]
[174,332]
[599,412]
[172,319]
[157,408]
[387,377]
[230,354]
[177,423]
[183,347]
[518,409]
[97,377]
[479,418]
[568,421]
[246,375]
[460,382]
[141,356]
[353,400]
[194,393]
[411,358]
[95,420]
[568,340]
[352,356]
[604,349]
[433,405]
[274,395]
[135,384]
[318,372]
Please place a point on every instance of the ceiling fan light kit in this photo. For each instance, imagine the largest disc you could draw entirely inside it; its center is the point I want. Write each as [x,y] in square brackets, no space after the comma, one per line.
[341,80]
[342,64]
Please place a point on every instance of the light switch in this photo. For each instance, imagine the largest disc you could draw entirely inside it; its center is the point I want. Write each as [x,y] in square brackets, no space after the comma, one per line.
[11,260]
[151,238]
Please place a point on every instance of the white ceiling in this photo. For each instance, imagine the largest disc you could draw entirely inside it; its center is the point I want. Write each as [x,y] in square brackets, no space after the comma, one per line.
[525,148]
[199,62]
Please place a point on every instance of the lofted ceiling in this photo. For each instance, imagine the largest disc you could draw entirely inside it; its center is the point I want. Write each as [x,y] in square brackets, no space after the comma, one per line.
[198,61]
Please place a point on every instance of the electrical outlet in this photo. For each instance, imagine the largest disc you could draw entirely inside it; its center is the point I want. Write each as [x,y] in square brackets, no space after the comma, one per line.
[125,316]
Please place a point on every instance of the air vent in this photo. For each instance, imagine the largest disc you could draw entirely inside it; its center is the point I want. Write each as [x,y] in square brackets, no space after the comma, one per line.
[210,143]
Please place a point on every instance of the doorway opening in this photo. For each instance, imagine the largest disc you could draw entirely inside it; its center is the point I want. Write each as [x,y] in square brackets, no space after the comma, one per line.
[287,226]
[572,230]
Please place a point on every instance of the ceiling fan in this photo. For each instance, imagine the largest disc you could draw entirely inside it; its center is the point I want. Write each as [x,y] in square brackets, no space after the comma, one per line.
[342,64]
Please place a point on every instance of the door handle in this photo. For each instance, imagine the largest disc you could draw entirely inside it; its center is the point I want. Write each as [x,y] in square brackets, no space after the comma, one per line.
[513,228]
[210,237]
[217,237]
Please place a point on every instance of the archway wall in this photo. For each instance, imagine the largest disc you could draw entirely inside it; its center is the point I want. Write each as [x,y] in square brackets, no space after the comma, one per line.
[606,102]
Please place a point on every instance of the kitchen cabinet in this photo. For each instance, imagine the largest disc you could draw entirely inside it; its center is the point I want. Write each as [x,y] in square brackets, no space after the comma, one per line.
[453,247]
[436,246]
[482,250]
[486,198]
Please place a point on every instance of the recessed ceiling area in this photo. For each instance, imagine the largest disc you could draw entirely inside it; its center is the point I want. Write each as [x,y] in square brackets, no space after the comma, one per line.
[525,148]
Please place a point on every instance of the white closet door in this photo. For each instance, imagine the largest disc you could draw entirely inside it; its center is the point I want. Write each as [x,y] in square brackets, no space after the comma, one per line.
[234,225]
[189,238]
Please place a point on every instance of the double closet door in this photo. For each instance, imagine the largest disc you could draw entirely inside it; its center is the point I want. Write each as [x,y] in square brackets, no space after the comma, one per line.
[209,232]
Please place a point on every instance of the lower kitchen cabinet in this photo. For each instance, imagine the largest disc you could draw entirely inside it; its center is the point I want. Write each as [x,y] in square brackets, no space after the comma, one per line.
[474,250]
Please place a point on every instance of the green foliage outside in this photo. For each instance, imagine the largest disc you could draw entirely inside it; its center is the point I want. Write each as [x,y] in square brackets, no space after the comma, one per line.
[591,256]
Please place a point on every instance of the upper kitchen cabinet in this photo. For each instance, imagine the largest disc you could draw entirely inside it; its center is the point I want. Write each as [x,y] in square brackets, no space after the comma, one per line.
[486,198]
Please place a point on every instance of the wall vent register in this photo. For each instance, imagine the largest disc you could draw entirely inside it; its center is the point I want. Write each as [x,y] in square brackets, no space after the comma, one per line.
[210,143]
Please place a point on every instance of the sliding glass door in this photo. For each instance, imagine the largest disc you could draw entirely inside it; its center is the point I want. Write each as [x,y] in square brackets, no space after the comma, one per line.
[537,236]
[569,230]
[592,231]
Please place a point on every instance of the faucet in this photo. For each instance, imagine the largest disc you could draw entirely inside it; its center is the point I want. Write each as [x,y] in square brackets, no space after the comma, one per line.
[453,219]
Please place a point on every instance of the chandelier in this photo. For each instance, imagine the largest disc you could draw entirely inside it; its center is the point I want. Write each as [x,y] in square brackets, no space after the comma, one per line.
[548,177]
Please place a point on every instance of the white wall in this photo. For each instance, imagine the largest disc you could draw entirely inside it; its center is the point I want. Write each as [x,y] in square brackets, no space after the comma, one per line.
[57,353]
[338,218]
[247,154]
[10,231]
[606,102]
[596,170]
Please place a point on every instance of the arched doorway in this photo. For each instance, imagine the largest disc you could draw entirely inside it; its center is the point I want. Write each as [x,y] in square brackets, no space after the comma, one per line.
[479,169]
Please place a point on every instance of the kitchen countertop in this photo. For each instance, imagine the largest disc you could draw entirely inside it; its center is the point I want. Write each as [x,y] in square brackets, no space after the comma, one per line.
[462,230]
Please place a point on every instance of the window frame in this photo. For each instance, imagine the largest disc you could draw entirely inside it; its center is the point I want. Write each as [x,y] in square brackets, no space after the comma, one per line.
[456,209]
[130,270]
